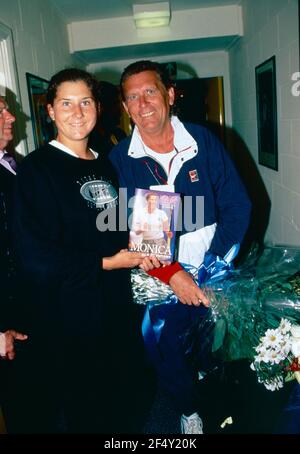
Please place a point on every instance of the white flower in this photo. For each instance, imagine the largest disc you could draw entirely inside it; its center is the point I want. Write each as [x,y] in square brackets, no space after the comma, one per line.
[285,326]
[272,338]
[286,346]
[275,357]
[275,384]
[277,349]
[295,330]
[271,386]
[295,348]
[263,355]
[261,348]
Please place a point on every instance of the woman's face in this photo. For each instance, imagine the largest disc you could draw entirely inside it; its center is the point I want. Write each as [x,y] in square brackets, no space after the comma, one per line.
[74,111]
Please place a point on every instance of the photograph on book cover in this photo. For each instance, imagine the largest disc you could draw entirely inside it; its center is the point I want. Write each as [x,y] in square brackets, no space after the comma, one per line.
[153,223]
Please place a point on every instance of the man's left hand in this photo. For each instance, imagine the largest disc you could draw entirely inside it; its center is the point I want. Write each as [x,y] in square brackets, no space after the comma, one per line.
[186,290]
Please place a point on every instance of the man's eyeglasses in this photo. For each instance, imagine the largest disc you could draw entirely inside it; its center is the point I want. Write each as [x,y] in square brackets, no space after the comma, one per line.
[147,93]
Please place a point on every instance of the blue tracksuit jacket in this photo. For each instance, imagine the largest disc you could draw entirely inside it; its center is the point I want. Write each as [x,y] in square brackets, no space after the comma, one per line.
[226,202]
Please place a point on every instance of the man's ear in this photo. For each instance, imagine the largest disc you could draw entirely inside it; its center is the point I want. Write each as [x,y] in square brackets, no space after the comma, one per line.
[50,112]
[171,94]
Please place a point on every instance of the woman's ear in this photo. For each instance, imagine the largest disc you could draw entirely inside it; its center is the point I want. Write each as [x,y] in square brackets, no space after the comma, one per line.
[51,112]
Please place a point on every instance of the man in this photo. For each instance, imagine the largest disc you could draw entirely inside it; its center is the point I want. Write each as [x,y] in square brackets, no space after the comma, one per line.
[165,153]
[7,266]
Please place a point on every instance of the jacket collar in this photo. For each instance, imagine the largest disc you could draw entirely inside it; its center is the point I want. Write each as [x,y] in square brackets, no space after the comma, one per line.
[183,141]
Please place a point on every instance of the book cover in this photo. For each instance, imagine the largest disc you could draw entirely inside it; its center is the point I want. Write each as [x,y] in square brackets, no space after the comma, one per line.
[153,222]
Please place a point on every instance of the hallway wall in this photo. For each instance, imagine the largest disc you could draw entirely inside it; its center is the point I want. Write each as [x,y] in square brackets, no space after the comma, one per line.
[189,65]
[271,28]
[40,42]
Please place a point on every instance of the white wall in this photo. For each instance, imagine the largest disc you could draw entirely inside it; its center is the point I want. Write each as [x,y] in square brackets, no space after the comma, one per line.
[204,64]
[271,28]
[40,41]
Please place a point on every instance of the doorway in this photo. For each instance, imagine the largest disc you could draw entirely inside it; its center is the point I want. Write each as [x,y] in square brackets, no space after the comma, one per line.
[201,101]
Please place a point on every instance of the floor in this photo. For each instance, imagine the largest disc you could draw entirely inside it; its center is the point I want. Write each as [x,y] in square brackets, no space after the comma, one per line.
[232,392]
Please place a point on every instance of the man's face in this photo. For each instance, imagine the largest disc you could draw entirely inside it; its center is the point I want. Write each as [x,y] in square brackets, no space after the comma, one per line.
[151,203]
[148,102]
[6,124]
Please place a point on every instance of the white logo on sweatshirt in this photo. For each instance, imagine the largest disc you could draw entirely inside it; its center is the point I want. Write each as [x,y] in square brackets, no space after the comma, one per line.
[99,194]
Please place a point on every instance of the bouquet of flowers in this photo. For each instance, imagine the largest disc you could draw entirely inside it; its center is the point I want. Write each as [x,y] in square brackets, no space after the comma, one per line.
[244,305]
[278,356]
[249,301]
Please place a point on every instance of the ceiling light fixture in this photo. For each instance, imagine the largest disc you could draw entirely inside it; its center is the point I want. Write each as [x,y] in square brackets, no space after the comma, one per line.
[151,15]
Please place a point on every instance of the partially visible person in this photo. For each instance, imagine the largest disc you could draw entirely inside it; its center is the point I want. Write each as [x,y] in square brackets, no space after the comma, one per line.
[7,343]
[8,276]
[7,179]
[70,270]
[166,154]
[107,131]
[8,281]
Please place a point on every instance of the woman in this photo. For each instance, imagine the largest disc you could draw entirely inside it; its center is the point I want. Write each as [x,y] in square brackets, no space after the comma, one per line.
[69,267]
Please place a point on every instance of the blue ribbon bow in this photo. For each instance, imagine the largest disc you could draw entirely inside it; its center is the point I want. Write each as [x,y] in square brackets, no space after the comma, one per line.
[212,269]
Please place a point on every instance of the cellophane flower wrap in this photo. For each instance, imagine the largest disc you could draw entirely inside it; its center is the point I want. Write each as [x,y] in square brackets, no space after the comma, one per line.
[255,315]
[149,290]
[245,303]
[254,298]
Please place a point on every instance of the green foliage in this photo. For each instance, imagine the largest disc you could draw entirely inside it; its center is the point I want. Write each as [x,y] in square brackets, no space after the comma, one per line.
[254,298]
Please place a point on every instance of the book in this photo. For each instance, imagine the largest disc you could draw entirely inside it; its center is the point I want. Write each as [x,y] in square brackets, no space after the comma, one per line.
[153,223]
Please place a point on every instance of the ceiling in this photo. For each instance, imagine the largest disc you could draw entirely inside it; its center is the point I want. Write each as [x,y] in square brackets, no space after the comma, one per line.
[79,10]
